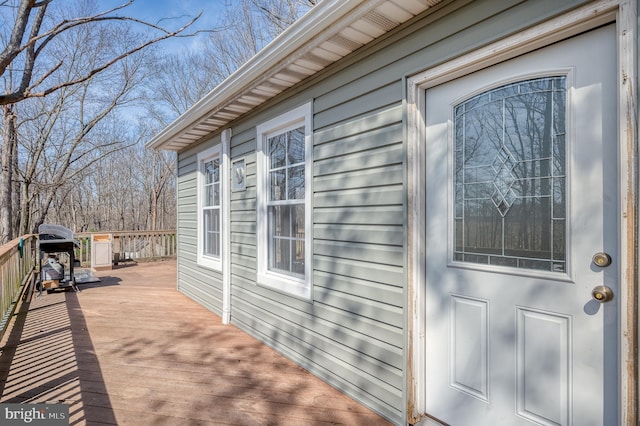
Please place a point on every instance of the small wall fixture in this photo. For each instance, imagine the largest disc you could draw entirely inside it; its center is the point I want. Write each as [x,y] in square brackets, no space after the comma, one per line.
[238,176]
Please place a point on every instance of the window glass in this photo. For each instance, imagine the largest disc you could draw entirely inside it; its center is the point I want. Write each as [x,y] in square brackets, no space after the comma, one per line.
[212,232]
[284,159]
[286,229]
[510,176]
[286,203]
[210,206]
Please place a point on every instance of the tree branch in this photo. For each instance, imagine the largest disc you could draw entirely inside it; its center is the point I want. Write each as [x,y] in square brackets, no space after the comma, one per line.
[26,89]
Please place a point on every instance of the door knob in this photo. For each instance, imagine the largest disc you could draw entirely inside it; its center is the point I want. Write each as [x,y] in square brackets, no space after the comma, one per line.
[602,293]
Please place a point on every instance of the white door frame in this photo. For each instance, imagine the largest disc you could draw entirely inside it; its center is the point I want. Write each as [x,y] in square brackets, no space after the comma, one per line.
[624,13]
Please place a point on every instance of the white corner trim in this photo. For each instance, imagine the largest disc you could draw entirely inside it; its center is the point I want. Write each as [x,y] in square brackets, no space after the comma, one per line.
[226,227]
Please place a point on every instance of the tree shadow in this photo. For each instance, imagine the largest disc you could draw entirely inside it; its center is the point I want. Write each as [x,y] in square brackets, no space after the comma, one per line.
[48,357]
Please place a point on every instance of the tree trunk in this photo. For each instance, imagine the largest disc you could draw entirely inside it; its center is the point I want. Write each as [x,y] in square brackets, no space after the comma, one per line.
[9,146]
[153,211]
[25,210]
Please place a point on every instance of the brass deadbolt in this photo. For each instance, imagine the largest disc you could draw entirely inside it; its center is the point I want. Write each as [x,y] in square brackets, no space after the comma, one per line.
[601,259]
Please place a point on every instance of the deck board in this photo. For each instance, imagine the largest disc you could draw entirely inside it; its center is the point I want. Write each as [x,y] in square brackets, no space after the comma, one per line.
[132,350]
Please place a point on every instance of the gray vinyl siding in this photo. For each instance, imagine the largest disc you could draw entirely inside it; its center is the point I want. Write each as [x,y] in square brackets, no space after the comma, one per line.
[353,332]
[201,284]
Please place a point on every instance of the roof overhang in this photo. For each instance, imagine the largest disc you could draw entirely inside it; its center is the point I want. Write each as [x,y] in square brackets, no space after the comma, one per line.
[328,32]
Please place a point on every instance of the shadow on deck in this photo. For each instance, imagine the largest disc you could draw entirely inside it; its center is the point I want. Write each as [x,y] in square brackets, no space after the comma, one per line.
[132,350]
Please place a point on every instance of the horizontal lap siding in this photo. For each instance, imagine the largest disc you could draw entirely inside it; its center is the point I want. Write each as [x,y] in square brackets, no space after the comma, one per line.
[352,333]
[359,230]
[201,284]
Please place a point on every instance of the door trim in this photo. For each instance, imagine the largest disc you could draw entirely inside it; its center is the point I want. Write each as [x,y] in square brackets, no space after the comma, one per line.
[624,14]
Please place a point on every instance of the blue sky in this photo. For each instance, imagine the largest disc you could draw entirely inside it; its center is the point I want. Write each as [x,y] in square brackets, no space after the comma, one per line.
[182,10]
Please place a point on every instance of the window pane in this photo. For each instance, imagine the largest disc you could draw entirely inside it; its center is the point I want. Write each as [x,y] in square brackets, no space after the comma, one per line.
[296,146]
[528,229]
[481,218]
[211,183]
[278,181]
[216,194]
[212,195]
[277,151]
[286,175]
[297,220]
[280,254]
[280,221]
[286,238]
[509,183]
[211,228]
[559,203]
[296,183]
[558,240]
[212,171]
[559,153]
[209,171]
[297,261]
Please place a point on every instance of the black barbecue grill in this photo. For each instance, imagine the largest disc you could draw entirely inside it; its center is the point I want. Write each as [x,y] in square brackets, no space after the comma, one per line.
[54,241]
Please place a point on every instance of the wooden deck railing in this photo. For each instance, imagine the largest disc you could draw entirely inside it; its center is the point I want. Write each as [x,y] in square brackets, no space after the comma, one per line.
[129,245]
[17,261]
[19,258]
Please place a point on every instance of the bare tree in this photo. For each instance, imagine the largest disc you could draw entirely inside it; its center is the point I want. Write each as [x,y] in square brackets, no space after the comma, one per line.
[34,64]
[183,79]
[176,82]
[281,14]
[82,91]
[31,36]
[249,26]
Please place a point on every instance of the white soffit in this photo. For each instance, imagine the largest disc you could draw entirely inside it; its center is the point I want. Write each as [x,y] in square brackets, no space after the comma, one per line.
[328,32]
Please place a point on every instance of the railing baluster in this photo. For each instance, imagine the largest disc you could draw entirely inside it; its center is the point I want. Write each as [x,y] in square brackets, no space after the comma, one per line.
[135,245]
[14,269]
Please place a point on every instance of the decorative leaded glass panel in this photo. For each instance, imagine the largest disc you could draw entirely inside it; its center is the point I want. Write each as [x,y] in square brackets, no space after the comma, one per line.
[510,176]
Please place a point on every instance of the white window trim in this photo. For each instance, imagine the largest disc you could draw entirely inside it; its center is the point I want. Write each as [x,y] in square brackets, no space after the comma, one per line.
[204,260]
[299,287]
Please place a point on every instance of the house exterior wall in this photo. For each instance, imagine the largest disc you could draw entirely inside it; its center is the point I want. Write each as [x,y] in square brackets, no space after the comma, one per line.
[202,284]
[353,332]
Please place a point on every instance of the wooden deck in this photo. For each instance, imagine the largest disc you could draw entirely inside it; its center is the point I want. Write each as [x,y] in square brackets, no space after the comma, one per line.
[131,350]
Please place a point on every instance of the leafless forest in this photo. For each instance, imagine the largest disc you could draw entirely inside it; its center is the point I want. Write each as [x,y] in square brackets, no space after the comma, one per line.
[85,87]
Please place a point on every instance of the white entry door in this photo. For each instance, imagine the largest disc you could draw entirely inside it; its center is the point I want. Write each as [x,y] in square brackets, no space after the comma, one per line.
[521,194]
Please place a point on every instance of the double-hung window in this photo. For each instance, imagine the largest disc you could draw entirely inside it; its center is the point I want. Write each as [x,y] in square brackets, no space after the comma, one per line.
[284,194]
[209,208]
